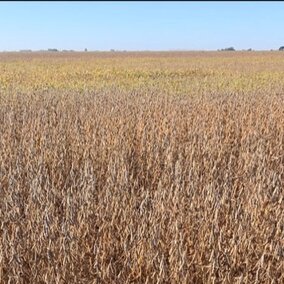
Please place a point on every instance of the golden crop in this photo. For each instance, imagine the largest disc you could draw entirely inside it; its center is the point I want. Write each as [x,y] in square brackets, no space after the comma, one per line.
[142,167]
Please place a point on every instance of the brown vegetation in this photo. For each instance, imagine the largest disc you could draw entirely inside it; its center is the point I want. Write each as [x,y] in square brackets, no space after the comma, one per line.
[162,169]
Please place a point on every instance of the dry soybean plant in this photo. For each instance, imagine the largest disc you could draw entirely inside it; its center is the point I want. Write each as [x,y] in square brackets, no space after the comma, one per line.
[142,168]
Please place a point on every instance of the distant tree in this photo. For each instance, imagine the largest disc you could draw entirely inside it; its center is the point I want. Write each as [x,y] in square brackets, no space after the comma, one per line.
[281,48]
[86,49]
[249,49]
[112,50]
[52,50]
[228,49]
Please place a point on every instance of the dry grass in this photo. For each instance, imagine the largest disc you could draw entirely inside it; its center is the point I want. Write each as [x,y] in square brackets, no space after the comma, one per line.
[142,168]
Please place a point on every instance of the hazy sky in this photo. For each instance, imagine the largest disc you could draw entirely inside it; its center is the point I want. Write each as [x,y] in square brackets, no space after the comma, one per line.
[141,25]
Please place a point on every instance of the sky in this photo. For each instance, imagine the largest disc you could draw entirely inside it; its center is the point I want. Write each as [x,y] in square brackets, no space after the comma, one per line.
[141,25]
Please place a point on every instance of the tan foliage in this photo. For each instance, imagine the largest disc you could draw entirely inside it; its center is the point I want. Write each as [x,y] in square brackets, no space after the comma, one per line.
[142,168]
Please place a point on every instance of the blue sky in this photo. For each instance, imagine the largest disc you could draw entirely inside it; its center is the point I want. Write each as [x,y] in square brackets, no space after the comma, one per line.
[141,25]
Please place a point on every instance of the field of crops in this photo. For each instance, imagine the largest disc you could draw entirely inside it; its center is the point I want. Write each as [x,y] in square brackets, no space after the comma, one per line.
[152,167]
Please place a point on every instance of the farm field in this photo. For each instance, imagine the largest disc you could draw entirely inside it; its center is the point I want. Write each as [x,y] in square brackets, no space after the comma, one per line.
[142,167]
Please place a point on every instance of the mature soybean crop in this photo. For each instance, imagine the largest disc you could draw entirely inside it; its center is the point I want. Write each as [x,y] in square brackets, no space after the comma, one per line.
[142,167]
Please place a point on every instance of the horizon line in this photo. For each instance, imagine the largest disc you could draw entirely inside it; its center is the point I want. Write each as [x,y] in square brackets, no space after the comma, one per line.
[55,50]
